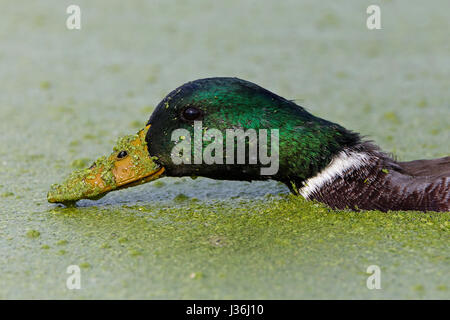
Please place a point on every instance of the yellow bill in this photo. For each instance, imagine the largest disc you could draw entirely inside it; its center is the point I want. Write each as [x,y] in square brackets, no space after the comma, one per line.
[130,164]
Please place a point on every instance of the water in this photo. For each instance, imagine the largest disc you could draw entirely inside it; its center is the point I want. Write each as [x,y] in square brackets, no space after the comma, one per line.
[68,95]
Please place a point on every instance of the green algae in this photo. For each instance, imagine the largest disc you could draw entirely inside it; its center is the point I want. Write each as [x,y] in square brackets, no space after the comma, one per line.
[423,103]
[328,20]
[392,117]
[33,234]
[158,184]
[99,179]
[271,243]
[74,143]
[284,246]
[134,252]
[135,124]
[89,136]
[105,246]
[180,198]
[123,240]
[318,253]
[196,275]
[45,85]
[61,252]
[7,194]
[80,163]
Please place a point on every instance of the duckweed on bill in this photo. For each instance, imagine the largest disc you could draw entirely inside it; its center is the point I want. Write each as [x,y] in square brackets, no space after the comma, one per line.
[96,181]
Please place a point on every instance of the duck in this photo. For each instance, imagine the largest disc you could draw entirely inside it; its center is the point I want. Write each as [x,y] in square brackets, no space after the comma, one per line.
[316,159]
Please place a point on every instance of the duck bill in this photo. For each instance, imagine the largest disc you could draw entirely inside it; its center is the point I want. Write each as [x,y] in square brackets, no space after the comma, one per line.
[129,165]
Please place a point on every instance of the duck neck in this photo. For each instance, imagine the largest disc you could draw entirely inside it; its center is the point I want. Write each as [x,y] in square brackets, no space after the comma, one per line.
[362,177]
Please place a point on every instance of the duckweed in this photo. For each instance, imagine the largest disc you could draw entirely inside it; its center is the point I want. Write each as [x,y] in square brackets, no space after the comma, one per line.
[123,240]
[7,194]
[134,252]
[105,245]
[158,184]
[391,116]
[77,185]
[33,234]
[45,85]
[92,108]
[180,197]
[61,242]
[80,163]
[196,275]
[136,124]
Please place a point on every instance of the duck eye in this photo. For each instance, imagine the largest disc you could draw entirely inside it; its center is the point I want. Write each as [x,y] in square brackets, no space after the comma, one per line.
[122,154]
[192,113]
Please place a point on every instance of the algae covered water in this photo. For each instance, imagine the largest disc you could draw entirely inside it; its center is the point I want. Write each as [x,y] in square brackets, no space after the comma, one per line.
[67,95]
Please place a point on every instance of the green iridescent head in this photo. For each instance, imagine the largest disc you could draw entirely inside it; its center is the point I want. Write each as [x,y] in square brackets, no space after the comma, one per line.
[306,143]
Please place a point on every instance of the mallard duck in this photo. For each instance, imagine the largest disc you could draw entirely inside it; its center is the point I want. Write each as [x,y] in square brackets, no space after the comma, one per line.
[317,159]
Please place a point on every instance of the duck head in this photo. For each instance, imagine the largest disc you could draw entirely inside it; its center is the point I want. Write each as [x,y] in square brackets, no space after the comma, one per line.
[195,130]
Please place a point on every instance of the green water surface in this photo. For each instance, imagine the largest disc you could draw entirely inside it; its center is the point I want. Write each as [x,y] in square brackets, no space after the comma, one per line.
[66,96]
